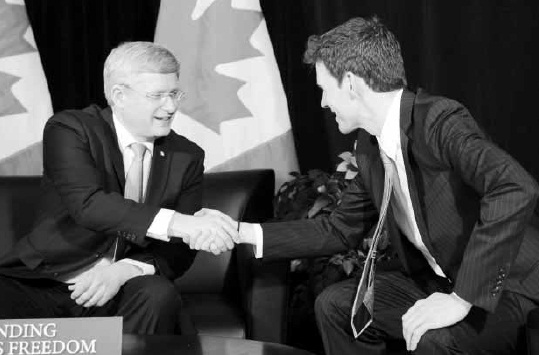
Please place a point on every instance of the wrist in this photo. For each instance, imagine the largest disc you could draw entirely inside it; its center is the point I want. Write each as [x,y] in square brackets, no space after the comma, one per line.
[128,270]
[465,304]
[174,226]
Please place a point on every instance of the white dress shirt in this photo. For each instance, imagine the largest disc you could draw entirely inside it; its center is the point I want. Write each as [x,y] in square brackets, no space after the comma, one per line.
[390,143]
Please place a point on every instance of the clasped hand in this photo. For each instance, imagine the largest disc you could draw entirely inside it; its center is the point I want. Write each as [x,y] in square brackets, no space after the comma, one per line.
[208,230]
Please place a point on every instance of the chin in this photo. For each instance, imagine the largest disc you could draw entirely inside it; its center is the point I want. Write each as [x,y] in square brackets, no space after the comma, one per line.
[162,132]
[345,130]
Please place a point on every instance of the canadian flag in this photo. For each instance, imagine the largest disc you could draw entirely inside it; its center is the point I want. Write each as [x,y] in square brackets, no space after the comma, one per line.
[25,103]
[236,109]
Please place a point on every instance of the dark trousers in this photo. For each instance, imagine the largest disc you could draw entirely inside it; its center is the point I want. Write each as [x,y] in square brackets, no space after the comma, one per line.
[502,332]
[148,304]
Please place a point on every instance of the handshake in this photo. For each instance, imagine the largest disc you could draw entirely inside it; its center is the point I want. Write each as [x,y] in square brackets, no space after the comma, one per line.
[211,231]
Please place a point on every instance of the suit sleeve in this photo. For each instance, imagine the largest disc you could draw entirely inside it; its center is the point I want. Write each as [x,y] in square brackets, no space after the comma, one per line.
[173,258]
[70,166]
[343,229]
[507,194]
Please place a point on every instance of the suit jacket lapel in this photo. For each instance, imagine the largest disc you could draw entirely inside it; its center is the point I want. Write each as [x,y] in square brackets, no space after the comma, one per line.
[115,152]
[161,162]
[369,161]
[407,105]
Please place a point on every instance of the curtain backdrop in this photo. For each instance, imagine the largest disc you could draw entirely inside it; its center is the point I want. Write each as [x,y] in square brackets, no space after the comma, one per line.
[480,52]
[75,36]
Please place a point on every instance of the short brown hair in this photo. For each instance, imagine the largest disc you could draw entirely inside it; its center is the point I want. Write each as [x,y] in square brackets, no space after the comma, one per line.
[364,47]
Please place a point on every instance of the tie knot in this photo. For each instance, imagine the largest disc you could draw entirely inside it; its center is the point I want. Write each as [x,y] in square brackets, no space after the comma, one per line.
[139,149]
[385,159]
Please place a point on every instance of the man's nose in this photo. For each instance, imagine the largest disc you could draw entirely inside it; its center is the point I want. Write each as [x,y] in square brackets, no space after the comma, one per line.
[170,104]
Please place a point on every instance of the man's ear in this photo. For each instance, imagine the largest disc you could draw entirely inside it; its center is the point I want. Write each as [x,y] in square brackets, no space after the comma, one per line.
[354,84]
[117,96]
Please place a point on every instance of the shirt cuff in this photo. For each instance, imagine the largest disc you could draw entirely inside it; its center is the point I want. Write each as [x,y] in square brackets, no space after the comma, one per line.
[259,238]
[146,269]
[159,227]
[462,300]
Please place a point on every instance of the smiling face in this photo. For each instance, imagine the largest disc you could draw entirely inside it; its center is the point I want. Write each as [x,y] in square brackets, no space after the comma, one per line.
[349,101]
[144,117]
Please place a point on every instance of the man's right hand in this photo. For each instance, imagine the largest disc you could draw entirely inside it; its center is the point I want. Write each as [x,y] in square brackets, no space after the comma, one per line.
[207,231]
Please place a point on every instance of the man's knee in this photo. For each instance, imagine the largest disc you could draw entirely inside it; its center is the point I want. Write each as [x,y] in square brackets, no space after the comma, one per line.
[323,304]
[330,304]
[157,293]
[435,341]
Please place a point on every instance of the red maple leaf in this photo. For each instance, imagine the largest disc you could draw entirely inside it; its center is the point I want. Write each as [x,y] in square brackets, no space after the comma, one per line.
[221,35]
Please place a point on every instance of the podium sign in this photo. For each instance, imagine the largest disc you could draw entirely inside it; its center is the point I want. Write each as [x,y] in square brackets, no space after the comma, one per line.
[59,336]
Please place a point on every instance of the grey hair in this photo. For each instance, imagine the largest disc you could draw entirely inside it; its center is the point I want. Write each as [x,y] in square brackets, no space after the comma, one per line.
[131,58]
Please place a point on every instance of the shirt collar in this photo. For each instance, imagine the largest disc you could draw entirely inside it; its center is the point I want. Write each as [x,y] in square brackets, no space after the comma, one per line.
[389,139]
[125,138]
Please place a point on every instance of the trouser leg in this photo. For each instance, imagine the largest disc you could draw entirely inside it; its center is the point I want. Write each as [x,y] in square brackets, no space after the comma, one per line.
[33,298]
[394,295]
[480,332]
[149,305]
[501,332]
[332,309]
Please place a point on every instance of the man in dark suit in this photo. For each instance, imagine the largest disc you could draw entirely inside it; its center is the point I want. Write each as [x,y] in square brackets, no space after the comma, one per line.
[119,188]
[458,213]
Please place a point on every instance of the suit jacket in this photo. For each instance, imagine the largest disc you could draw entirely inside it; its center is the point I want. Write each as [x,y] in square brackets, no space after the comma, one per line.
[82,210]
[472,202]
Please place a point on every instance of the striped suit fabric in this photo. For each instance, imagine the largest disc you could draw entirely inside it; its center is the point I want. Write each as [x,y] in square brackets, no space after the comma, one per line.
[473,206]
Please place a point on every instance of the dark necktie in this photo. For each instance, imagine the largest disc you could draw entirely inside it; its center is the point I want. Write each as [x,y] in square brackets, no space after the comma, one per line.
[363,308]
[134,181]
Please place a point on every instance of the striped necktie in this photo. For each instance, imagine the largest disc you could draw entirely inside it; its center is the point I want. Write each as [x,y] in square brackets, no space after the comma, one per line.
[135,176]
[134,182]
[363,308]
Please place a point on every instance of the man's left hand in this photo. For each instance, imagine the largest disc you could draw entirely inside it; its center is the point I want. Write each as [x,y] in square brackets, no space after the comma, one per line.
[439,310]
[99,285]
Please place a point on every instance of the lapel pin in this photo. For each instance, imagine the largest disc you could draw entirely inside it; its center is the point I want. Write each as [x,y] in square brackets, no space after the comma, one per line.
[161,153]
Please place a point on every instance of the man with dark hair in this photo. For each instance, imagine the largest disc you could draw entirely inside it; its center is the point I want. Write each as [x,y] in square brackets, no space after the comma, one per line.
[456,207]
[118,186]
